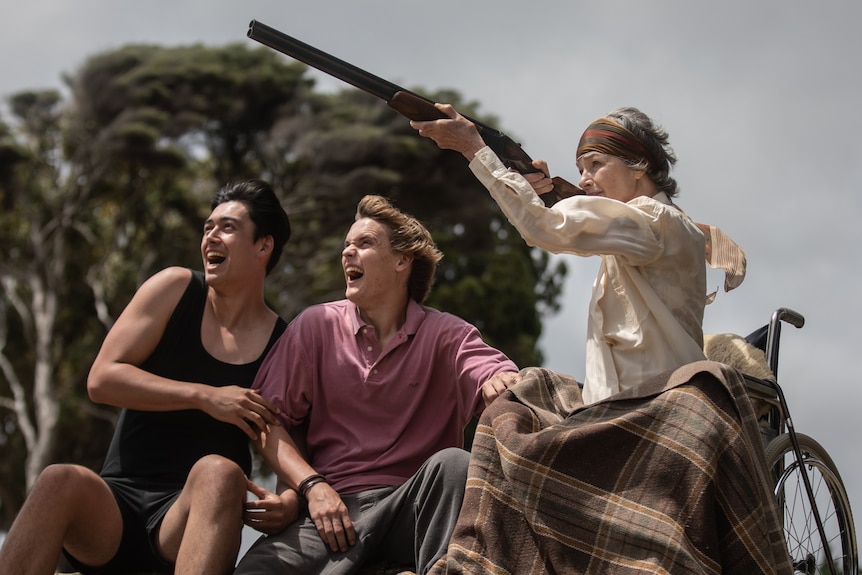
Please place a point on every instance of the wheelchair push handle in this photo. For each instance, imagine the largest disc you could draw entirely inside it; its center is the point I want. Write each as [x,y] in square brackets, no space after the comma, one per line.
[783,314]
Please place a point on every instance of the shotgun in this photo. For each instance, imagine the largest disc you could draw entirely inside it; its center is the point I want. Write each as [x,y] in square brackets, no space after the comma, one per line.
[403,101]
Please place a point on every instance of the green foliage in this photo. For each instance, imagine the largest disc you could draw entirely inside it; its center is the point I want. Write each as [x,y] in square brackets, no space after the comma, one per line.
[101,191]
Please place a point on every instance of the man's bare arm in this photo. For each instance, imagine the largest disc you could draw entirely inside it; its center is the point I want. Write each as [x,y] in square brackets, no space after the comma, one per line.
[325,506]
[116,377]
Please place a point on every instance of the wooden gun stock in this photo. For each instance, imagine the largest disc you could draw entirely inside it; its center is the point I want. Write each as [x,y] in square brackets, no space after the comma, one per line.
[405,102]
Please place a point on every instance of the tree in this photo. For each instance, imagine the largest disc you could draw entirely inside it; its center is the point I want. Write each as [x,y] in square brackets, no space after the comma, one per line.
[102,190]
[62,240]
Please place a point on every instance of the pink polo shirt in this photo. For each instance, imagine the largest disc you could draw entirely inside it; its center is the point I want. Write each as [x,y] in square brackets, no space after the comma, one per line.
[375,415]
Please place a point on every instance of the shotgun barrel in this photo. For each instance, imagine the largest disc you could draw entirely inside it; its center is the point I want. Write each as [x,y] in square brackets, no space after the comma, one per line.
[409,104]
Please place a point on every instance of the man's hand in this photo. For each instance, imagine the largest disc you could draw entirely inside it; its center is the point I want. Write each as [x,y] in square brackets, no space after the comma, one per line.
[270,513]
[492,388]
[458,133]
[325,507]
[242,407]
[330,516]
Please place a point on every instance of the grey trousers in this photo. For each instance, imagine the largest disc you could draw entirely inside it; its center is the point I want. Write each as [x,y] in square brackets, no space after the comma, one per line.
[409,524]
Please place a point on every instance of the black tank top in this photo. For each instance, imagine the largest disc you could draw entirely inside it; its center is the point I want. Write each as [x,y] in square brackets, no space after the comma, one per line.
[161,446]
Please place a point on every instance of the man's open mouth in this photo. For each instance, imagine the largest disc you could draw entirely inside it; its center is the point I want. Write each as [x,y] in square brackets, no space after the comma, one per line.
[353,272]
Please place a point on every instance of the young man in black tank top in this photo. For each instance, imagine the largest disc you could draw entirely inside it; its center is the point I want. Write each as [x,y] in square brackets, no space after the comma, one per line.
[179,361]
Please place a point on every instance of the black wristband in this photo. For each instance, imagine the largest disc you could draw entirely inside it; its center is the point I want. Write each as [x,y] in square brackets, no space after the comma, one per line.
[308,482]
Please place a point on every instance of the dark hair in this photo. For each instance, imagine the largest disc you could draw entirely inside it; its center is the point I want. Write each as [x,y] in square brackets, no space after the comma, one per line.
[264,209]
[407,235]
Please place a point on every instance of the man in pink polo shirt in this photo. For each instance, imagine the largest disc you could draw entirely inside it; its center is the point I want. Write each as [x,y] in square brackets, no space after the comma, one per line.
[381,387]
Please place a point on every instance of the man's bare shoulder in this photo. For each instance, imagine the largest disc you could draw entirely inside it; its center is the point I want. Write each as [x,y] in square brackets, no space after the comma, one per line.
[163,289]
[170,279]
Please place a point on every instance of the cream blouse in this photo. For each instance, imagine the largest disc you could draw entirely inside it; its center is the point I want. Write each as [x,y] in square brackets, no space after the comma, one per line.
[647,306]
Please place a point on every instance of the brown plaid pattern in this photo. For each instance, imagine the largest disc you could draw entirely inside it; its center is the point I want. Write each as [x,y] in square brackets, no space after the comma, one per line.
[665,478]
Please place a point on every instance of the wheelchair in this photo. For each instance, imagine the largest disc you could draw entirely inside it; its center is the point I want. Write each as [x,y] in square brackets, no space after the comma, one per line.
[816,517]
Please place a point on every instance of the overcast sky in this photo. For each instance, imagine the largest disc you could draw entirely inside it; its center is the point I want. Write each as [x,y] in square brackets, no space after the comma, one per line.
[761,100]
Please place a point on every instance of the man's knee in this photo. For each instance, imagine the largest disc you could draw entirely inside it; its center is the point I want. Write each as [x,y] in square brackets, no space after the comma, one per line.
[214,491]
[452,460]
[64,474]
[80,509]
[64,485]
[214,472]
[449,467]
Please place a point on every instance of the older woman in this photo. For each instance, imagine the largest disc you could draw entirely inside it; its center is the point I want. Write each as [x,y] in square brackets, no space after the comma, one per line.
[648,300]
[664,470]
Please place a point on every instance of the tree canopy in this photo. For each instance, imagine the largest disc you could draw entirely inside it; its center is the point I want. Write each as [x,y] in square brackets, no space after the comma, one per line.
[105,186]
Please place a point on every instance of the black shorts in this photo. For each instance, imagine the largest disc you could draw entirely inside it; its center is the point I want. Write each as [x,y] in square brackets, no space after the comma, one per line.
[143,507]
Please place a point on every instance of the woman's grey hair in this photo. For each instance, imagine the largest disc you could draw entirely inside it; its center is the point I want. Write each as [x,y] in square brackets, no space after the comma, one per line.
[655,138]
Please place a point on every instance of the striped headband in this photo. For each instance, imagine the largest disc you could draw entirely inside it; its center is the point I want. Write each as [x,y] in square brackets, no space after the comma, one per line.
[608,137]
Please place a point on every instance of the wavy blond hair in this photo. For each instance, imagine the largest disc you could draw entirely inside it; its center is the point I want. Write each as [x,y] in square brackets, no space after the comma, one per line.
[408,236]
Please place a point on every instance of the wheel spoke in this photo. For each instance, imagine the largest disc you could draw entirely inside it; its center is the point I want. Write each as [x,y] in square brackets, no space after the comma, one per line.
[807,549]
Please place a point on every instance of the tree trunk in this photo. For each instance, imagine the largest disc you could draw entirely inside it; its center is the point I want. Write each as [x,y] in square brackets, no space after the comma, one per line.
[46,405]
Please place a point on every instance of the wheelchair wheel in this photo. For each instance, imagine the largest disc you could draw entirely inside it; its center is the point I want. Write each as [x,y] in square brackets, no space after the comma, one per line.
[807,550]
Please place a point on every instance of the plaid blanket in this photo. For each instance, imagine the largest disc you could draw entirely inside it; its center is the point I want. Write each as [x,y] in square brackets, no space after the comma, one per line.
[666,478]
